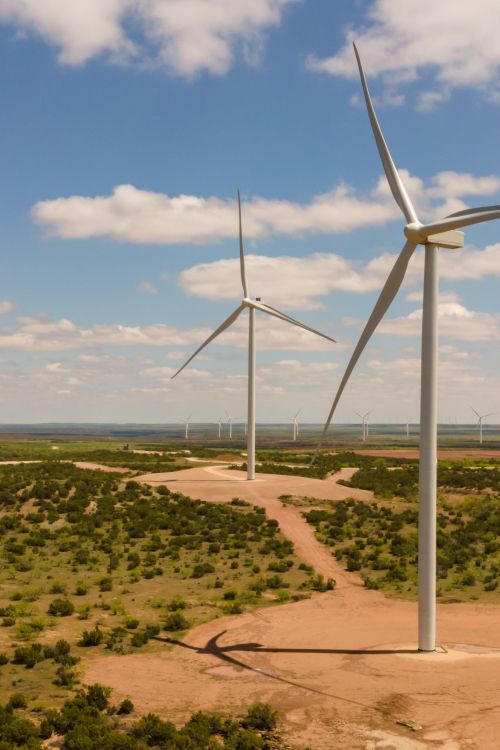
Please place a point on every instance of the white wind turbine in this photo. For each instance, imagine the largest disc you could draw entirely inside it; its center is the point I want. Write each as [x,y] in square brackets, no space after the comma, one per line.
[438,234]
[296,425]
[364,419]
[252,305]
[219,425]
[186,422]
[295,422]
[480,418]
[229,417]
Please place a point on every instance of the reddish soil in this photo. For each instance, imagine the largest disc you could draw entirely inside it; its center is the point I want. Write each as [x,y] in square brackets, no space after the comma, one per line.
[341,667]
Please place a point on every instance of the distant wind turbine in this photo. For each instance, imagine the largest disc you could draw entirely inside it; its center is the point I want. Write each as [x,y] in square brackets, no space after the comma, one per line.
[219,424]
[186,422]
[252,305]
[442,233]
[229,419]
[480,418]
[296,425]
[364,418]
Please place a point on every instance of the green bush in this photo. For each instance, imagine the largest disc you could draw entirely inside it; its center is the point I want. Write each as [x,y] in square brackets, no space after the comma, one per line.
[92,637]
[61,608]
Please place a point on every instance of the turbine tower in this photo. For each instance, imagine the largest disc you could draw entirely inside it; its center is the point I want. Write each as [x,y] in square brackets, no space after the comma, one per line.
[364,419]
[480,418]
[252,305]
[219,424]
[438,234]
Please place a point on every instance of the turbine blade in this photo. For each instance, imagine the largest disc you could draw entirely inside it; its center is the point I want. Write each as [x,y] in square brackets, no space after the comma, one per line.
[288,319]
[242,254]
[398,190]
[465,218]
[488,415]
[391,288]
[229,321]
[475,412]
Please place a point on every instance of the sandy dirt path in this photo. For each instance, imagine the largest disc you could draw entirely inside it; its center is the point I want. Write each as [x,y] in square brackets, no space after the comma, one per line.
[341,667]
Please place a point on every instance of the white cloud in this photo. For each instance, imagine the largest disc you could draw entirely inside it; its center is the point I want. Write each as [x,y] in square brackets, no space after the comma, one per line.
[182,36]
[454,41]
[6,306]
[455,322]
[133,215]
[41,334]
[288,282]
[147,288]
[297,283]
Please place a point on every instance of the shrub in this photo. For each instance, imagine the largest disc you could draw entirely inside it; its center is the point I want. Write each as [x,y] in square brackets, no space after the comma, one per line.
[18,700]
[106,583]
[92,637]
[81,588]
[125,707]
[61,608]
[261,716]
[58,587]
[175,621]
[176,603]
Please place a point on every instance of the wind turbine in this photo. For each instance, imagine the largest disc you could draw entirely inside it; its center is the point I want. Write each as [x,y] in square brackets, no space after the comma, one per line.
[296,425]
[252,305]
[186,422]
[364,418]
[229,418]
[442,233]
[480,418]
[219,424]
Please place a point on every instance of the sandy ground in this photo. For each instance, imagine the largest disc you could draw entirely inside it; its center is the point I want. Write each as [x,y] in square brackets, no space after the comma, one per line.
[341,667]
[444,454]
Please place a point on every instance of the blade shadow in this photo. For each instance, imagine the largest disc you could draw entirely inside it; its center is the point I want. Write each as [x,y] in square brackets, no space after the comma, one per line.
[222,653]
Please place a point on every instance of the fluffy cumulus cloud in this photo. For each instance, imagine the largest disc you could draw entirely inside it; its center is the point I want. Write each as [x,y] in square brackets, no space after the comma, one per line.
[455,322]
[184,36]
[287,282]
[40,334]
[130,214]
[133,215]
[300,283]
[455,42]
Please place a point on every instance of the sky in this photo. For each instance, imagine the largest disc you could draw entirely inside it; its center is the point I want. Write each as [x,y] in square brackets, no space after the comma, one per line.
[126,128]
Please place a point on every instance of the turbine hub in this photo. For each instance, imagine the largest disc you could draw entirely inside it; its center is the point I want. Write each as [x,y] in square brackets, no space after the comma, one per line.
[413,233]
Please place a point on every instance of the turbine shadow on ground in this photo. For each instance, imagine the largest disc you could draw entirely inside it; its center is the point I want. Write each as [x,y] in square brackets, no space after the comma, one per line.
[222,652]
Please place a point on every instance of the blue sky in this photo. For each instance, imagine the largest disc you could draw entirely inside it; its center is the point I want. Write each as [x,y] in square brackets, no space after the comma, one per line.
[126,127]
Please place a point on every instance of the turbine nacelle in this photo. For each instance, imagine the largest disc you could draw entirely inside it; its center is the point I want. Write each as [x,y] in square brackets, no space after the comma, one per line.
[420,234]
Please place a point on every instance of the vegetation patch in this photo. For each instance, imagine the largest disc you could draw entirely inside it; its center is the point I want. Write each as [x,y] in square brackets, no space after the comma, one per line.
[380,541]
